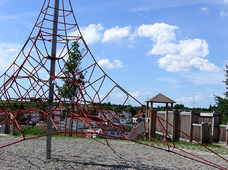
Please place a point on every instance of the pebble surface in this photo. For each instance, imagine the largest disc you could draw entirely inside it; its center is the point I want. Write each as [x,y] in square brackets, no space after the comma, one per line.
[86,154]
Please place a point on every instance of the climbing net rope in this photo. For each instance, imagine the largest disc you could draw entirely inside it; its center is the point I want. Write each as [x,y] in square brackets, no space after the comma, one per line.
[24,93]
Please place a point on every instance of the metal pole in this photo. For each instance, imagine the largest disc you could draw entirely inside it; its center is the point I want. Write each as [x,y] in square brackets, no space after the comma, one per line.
[52,78]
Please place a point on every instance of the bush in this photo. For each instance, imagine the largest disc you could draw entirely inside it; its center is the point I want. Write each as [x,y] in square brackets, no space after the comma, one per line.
[31,131]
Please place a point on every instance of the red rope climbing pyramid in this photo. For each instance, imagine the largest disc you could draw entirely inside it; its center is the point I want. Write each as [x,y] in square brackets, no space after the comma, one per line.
[24,94]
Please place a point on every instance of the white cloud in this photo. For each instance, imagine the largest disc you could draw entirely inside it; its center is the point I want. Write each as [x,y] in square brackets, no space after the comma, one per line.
[12,50]
[179,55]
[118,63]
[120,95]
[223,13]
[106,63]
[205,9]
[115,34]
[91,34]
[193,48]
[136,94]
[63,54]
[203,65]
[158,32]
[188,99]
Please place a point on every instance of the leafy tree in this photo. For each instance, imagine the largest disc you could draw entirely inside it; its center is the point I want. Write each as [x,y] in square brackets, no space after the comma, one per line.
[74,76]
[222,103]
[179,106]
[133,110]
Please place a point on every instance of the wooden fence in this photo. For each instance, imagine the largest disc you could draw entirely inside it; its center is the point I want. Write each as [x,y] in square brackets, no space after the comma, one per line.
[204,127]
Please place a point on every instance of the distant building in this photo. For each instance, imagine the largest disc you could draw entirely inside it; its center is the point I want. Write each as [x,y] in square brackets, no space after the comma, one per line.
[138,117]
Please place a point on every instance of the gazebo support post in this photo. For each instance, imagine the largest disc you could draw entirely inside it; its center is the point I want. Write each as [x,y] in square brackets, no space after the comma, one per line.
[152,123]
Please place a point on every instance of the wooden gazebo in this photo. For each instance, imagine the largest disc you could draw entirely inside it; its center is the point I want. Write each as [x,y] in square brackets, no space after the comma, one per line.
[160,98]
[151,118]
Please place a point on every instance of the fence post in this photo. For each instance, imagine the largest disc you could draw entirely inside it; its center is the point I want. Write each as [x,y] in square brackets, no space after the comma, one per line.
[216,121]
[209,132]
[152,125]
[1,128]
[227,134]
[196,116]
[176,134]
[7,127]
[204,133]
[191,128]
[167,120]
[147,121]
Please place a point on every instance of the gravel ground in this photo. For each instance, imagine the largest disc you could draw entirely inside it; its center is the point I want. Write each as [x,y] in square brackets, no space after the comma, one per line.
[89,154]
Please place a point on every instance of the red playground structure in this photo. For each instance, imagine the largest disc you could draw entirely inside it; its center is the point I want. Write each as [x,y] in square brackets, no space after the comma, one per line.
[75,90]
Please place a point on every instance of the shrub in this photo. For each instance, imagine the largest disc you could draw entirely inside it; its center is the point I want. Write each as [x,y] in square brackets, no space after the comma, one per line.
[32,131]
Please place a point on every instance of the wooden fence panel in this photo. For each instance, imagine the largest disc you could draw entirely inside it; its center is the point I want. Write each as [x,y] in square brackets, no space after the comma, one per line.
[190,123]
[196,131]
[185,124]
[170,120]
[162,115]
[222,133]
[205,119]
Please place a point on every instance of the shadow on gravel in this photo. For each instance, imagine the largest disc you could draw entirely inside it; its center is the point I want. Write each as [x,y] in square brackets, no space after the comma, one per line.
[84,164]
[60,162]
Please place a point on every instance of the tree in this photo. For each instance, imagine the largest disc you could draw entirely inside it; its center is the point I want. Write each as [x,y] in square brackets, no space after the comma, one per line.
[179,106]
[222,103]
[133,110]
[74,76]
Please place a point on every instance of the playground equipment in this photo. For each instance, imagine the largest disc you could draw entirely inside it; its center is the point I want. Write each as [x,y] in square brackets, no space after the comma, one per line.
[26,93]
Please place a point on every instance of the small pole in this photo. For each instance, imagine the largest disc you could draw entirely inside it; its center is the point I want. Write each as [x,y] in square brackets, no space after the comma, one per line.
[52,78]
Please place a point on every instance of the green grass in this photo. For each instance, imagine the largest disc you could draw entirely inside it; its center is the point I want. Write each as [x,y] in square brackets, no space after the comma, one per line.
[30,131]
[196,147]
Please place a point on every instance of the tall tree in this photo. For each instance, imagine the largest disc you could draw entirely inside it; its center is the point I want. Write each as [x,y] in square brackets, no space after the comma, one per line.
[74,76]
[74,79]
[222,103]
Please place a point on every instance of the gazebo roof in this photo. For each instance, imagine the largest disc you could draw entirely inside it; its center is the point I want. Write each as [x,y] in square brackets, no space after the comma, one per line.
[160,98]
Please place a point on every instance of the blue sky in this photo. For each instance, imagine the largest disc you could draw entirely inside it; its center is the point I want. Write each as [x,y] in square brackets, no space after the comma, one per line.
[174,47]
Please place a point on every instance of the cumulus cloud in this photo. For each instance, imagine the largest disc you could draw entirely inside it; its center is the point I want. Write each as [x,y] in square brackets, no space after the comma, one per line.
[159,32]
[188,99]
[178,55]
[116,33]
[110,65]
[91,33]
